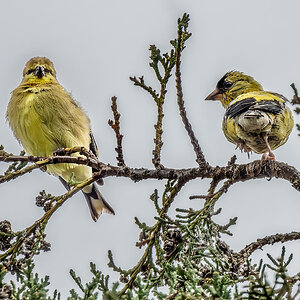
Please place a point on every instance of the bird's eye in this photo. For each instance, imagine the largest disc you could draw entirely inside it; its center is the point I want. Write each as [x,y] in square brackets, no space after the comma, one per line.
[227,85]
[29,72]
[51,72]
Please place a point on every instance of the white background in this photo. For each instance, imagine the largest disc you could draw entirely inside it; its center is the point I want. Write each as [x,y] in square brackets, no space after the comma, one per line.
[95,46]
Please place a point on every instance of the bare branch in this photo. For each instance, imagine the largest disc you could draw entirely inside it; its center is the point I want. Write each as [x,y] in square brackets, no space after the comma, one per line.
[115,125]
[268,240]
[237,173]
[178,44]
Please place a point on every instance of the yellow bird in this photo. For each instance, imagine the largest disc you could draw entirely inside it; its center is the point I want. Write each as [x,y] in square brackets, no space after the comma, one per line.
[44,118]
[255,120]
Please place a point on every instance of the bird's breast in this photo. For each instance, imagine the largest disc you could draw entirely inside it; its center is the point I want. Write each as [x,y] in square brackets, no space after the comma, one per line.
[28,126]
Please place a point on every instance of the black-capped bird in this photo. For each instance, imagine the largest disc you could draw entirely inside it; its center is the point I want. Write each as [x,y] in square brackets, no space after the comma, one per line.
[44,118]
[255,120]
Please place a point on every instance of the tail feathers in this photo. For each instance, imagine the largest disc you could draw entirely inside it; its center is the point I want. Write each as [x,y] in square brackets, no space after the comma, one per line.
[96,203]
[254,120]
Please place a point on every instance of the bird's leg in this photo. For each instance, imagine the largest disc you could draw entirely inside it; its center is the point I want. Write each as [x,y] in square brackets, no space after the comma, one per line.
[269,155]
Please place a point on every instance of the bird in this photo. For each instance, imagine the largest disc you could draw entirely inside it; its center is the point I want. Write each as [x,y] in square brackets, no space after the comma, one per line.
[44,118]
[254,120]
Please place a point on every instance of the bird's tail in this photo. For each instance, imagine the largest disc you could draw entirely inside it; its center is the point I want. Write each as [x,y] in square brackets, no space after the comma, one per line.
[96,203]
[254,120]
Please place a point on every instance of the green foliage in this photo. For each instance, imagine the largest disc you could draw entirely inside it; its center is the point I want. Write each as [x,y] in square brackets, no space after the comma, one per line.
[190,261]
[28,286]
[260,287]
[99,283]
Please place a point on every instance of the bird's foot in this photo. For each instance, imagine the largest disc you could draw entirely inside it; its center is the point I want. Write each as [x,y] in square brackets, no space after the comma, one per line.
[268,159]
[268,156]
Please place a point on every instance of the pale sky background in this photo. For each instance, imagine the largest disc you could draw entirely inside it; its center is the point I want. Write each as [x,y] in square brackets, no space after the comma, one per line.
[95,46]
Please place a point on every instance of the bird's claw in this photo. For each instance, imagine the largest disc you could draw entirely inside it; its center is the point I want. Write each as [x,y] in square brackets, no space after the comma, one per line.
[268,156]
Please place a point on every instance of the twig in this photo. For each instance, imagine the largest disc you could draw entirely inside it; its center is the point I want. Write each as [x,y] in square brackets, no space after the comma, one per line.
[210,201]
[294,279]
[296,99]
[178,44]
[42,222]
[43,161]
[154,235]
[167,61]
[115,125]
[268,240]
[141,83]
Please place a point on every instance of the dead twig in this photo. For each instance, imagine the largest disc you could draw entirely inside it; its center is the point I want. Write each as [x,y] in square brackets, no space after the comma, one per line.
[115,125]
[178,44]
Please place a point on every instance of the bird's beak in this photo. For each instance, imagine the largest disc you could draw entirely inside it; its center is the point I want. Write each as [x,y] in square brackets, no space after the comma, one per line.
[215,95]
[39,71]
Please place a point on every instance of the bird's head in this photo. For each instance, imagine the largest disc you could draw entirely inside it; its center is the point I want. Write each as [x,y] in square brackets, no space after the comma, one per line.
[232,85]
[39,70]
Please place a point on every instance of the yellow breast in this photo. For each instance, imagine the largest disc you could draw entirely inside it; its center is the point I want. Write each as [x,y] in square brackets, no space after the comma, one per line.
[28,127]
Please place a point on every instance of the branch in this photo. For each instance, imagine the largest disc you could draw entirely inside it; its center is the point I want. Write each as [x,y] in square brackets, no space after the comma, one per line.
[210,201]
[42,222]
[40,162]
[167,61]
[115,125]
[296,98]
[236,173]
[268,240]
[178,44]
[154,234]
[141,83]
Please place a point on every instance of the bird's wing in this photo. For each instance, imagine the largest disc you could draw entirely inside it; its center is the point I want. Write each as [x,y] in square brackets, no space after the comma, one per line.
[93,145]
[269,106]
[94,149]
[229,129]
[267,102]
[240,107]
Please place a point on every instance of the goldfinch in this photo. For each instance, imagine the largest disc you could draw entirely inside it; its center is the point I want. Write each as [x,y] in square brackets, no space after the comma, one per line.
[44,118]
[255,120]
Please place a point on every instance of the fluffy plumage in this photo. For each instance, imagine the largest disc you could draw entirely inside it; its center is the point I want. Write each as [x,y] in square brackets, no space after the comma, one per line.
[44,118]
[255,120]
